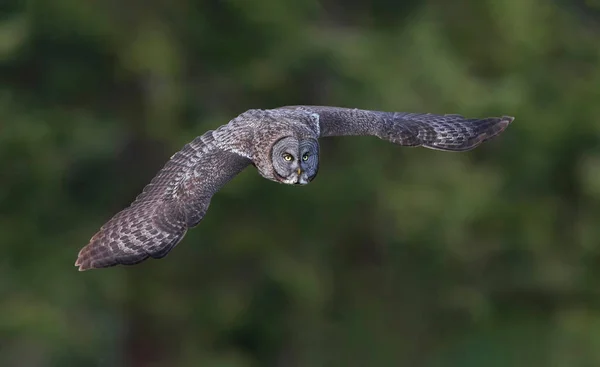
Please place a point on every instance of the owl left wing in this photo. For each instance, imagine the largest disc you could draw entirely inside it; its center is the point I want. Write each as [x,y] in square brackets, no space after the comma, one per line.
[441,132]
[175,200]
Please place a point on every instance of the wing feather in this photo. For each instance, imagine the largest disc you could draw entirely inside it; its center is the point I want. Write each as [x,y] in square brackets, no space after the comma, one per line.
[450,132]
[175,200]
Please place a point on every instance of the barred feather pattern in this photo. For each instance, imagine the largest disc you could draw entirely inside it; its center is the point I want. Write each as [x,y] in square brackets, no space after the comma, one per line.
[176,199]
[450,132]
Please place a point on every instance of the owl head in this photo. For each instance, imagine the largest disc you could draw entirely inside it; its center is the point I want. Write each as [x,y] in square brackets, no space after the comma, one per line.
[295,160]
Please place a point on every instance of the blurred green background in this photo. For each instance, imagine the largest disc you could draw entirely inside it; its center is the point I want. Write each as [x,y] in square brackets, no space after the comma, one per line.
[391,257]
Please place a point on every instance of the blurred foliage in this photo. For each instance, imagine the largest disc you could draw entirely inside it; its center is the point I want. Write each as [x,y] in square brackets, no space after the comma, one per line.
[392,257]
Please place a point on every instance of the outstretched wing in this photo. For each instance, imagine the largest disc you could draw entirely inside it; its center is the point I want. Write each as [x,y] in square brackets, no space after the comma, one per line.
[441,132]
[176,199]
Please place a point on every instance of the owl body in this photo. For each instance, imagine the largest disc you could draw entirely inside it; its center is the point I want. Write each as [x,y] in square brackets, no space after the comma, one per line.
[282,144]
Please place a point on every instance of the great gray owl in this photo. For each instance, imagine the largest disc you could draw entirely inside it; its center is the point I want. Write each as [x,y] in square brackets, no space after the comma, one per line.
[282,144]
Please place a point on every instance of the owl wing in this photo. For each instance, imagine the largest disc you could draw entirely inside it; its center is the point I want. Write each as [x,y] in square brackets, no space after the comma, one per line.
[441,132]
[176,199]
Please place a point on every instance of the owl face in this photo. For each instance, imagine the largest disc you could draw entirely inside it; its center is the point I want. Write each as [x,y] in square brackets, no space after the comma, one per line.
[295,161]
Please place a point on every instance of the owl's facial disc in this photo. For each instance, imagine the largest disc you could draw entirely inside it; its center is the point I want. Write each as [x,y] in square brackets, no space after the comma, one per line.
[295,161]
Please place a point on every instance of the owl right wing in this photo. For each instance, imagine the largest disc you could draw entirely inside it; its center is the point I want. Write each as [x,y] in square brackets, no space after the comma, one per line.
[176,199]
[441,132]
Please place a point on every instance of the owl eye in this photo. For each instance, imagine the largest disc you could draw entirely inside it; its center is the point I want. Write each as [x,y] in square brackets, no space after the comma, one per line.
[287,157]
[305,157]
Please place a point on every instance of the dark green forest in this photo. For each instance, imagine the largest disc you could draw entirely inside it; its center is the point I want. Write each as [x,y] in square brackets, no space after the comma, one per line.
[392,256]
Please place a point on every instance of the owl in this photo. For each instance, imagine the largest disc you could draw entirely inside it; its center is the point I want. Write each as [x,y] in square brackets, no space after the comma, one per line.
[283,145]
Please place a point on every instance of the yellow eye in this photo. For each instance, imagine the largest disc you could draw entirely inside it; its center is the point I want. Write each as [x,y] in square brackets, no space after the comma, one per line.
[305,157]
[287,157]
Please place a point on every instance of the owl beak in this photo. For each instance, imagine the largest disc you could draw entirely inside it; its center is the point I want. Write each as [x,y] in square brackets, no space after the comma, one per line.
[299,171]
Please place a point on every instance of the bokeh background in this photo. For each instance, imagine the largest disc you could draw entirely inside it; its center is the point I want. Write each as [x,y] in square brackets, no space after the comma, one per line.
[391,257]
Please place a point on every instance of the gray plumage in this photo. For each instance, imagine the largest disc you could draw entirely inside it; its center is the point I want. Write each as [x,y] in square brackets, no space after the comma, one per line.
[282,144]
